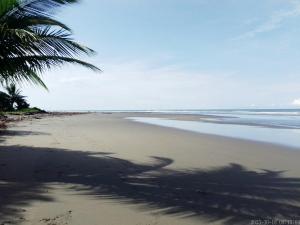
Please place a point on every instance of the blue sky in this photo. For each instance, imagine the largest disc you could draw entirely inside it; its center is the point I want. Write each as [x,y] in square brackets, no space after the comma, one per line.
[180,54]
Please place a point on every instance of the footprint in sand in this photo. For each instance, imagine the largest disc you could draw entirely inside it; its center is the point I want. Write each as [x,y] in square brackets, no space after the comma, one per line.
[63,219]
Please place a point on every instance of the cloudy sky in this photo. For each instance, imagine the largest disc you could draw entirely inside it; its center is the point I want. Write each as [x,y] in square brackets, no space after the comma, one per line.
[177,54]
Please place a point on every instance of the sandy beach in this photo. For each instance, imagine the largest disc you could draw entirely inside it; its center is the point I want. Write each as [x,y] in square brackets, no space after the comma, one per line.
[102,168]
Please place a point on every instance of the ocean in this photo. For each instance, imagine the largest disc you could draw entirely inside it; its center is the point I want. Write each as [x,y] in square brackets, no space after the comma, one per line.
[276,126]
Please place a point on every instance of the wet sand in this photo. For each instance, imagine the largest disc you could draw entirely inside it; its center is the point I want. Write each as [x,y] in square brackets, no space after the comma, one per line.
[103,169]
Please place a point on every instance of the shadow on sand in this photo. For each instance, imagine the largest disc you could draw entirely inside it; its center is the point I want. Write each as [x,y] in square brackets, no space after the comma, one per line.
[232,193]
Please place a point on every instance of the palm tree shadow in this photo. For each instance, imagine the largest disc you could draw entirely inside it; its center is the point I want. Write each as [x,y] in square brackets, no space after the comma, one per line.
[231,194]
[4,134]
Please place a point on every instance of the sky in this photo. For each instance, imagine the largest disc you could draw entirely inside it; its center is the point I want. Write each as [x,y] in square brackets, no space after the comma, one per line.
[179,54]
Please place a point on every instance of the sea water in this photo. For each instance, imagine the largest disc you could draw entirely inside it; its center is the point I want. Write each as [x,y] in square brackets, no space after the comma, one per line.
[277,126]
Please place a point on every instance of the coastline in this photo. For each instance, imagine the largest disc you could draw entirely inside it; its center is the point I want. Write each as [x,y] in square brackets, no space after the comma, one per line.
[197,117]
[268,134]
[126,160]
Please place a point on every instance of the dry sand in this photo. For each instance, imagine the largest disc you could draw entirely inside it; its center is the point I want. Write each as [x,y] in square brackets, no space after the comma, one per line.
[101,169]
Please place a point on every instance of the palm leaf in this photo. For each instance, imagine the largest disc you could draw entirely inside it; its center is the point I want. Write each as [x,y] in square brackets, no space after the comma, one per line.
[31,41]
[37,7]
[27,68]
[40,63]
[7,5]
[25,22]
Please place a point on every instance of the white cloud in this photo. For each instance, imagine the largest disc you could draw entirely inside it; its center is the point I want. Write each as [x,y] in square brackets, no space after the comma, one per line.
[145,85]
[274,22]
[133,85]
[296,102]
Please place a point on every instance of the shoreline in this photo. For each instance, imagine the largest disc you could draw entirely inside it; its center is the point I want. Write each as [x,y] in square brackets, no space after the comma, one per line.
[285,137]
[286,147]
[104,169]
[11,121]
[198,118]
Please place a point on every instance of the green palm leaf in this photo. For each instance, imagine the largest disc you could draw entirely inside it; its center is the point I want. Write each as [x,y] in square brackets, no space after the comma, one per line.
[31,41]
[34,7]
[7,5]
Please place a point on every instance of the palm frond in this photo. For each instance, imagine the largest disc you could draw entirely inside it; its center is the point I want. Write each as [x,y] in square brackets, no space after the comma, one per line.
[41,42]
[31,41]
[40,63]
[7,5]
[27,68]
[38,7]
[13,98]
[25,22]
[60,41]
[20,76]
